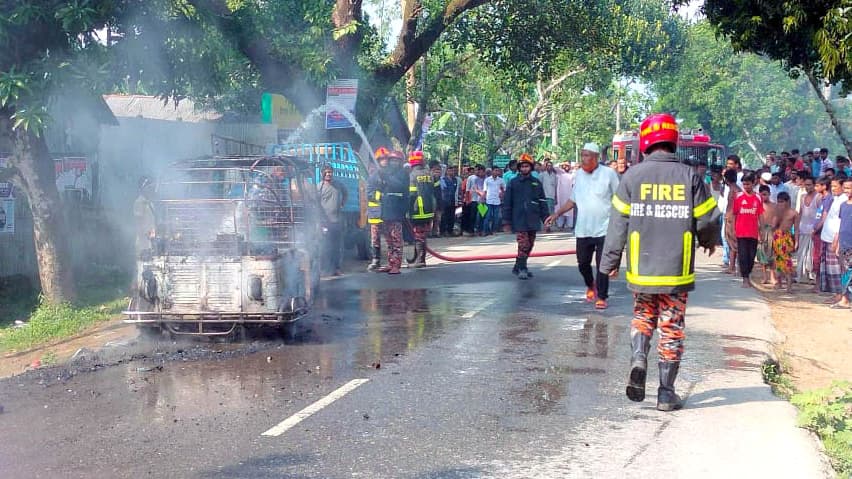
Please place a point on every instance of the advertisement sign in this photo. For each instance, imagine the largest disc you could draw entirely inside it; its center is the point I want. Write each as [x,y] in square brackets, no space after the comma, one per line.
[343,94]
[7,208]
[73,177]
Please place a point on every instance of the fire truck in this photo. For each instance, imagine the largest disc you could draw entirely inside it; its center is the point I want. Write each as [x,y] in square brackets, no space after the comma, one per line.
[693,147]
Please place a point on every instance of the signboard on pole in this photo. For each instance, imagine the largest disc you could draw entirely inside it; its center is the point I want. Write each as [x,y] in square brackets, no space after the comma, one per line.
[341,93]
[500,161]
[7,208]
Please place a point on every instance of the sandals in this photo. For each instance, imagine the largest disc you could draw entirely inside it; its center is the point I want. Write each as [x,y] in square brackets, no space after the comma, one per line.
[601,304]
[840,306]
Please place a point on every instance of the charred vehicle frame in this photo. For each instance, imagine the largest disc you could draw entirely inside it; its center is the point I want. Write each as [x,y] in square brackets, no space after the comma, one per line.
[235,245]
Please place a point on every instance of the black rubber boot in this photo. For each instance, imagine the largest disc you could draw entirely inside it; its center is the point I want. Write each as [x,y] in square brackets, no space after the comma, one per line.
[375,263]
[667,399]
[638,366]
[419,254]
[515,269]
[522,269]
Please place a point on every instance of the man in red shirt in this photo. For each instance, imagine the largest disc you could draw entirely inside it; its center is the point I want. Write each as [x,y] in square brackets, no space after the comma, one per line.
[747,210]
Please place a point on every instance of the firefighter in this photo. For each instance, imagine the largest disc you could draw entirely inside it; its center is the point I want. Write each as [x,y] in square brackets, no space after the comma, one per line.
[374,209]
[524,209]
[421,188]
[659,201]
[395,194]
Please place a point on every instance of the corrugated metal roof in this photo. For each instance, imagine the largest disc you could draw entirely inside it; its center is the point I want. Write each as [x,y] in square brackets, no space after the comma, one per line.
[143,106]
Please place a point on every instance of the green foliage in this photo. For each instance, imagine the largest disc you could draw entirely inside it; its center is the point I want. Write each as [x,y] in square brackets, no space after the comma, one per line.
[540,39]
[55,321]
[828,412]
[780,384]
[741,99]
[794,32]
[43,42]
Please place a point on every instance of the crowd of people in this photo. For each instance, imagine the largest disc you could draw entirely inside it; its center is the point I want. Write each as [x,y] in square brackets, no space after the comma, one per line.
[792,216]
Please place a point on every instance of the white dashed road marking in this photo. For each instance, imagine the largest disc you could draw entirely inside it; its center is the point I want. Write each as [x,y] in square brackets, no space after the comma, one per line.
[552,264]
[291,421]
[478,309]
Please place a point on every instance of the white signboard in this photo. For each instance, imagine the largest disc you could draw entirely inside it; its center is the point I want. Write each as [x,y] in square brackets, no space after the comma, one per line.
[342,93]
[73,176]
[7,208]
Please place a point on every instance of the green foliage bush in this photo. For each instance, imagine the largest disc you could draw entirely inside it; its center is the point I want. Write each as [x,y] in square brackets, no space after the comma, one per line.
[828,412]
[55,321]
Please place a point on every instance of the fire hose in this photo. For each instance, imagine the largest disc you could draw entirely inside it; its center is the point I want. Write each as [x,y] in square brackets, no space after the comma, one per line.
[488,257]
[483,257]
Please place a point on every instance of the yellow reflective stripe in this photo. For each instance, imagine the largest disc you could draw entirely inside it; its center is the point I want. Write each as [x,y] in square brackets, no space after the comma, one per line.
[620,206]
[634,252]
[687,252]
[378,196]
[412,189]
[371,204]
[704,208]
[640,280]
[374,221]
[420,211]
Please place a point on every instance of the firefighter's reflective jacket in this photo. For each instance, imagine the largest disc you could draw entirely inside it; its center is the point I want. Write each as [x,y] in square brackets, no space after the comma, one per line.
[660,210]
[422,192]
[374,198]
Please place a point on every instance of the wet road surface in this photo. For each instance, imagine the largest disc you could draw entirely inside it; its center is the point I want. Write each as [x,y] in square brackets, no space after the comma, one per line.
[466,372]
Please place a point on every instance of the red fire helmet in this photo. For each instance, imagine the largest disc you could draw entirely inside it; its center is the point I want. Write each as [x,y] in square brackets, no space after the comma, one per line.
[525,158]
[381,152]
[415,158]
[657,128]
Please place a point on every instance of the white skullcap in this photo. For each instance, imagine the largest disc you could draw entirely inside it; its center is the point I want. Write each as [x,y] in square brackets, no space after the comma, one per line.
[592,147]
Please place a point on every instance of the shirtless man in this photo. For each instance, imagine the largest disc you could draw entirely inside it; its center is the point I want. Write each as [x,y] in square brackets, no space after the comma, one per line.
[784,242]
[765,252]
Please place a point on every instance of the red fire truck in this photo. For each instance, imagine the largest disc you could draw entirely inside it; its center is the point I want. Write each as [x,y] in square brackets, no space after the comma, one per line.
[694,146]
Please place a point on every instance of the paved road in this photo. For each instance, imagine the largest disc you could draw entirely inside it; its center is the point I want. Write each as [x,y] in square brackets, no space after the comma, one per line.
[453,371]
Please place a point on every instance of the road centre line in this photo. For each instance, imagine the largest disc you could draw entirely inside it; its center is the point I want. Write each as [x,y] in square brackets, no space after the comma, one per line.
[307,412]
[552,264]
[478,309]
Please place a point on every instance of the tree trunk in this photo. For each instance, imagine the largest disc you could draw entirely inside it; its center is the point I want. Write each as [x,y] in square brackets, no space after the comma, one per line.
[835,122]
[37,178]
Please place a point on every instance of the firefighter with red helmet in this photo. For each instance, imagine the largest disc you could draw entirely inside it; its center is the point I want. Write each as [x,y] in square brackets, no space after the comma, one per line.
[660,210]
[375,185]
[524,209]
[421,189]
[395,194]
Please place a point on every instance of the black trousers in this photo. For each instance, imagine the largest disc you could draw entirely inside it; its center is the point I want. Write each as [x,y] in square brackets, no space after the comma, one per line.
[746,251]
[586,247]
[448,219]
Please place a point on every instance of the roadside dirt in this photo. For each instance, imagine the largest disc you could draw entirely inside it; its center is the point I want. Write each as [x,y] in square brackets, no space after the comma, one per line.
[818,339]
[62,350]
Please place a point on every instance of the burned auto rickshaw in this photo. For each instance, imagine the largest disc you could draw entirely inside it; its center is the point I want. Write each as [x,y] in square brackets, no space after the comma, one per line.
[234,246]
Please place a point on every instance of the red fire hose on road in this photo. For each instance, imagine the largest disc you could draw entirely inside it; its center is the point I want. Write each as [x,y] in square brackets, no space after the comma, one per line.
[484,257]
[488,257]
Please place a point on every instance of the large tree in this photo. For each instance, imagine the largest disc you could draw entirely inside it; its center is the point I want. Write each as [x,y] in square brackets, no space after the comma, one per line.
[49,47]
[791,32]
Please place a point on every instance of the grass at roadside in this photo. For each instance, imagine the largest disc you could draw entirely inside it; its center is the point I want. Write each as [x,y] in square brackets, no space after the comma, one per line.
[101,295]
[56,321]
[827,412]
